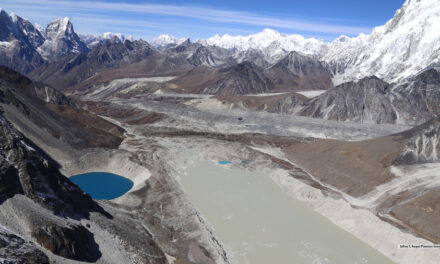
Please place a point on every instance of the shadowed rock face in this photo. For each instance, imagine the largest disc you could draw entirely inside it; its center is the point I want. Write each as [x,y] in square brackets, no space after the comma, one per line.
[421,144]
[73,242]
[253,55]
[202,56]
[72,70]
[418,100]
[243,78]
[299,72]
[372,100]
[19,54]
[26,171]
[14,249]
[52,111]
[362,101]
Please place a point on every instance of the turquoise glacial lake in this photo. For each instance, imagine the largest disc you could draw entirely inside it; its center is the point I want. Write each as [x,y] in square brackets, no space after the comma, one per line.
[102,185]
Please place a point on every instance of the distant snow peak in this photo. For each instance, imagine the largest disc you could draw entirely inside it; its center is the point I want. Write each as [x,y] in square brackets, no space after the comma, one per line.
[265,39]
[14,17]
[93,40]
[120,36]
[165,40]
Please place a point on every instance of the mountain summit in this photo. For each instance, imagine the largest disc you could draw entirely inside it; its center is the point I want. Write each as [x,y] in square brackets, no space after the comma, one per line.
[61,40]
[406,45]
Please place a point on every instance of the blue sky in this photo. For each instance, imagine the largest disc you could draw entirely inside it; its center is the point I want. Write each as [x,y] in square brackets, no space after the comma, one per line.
[322,19]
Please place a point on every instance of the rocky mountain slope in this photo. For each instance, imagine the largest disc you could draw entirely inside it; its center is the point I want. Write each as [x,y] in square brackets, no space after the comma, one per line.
[39,109]
[74,69]
[243,78]
[17,49]
[299,72]
[375,101]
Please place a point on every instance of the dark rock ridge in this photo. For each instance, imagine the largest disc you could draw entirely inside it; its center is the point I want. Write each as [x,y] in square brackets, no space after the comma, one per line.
[37,107]
[253,55]
[300,72]
[202,56]
[421,144]
[371,100]
[240,79]
[418,99]
[36,176]
[16,250]
[363,101]
[26,171]
[187,47]
[18,50]
[74,69]
[71,241]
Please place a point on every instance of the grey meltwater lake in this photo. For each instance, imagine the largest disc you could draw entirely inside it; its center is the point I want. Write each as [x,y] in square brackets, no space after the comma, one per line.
[258,223]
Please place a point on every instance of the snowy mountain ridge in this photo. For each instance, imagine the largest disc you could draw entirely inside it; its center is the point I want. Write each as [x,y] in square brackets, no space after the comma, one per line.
[166,40]
[93,40]
[403,47]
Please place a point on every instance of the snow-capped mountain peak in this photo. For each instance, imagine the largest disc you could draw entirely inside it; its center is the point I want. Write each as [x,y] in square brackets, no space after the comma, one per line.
[93,40]
[264,40]
[120,36]
[59,28]
[403,47]
[61,40]
[166,40]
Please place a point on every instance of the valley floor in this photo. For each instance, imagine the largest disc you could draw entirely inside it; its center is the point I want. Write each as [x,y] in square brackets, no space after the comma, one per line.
[166,128]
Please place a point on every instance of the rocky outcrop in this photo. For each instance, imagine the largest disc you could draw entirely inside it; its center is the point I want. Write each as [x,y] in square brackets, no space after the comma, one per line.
[418,99]
[72,242]
[421,144]
[14,249]
[202,56]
